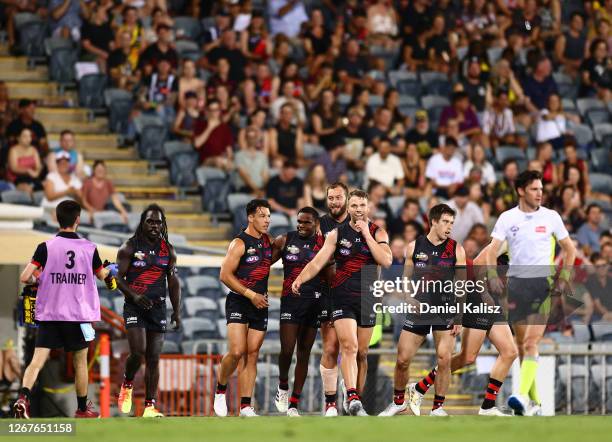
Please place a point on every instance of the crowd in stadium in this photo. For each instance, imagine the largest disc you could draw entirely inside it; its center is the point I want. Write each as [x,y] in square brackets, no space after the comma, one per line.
[417,102]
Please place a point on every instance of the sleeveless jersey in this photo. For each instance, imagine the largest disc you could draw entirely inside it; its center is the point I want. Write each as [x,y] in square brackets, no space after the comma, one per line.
[297,253]
[148,270]
[356,268]
[434,263]
[67,290]
[328,223]
[254,267]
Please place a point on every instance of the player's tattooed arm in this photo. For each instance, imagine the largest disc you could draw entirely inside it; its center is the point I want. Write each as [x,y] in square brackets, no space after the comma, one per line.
[313,268]
[229,266]
[124,259]
[277,247]
[174,288]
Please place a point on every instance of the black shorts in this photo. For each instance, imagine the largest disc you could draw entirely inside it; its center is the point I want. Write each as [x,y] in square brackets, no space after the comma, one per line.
[327,306]
[240,310]
[61,334]
[482,320]
[301,311]
[419,327]
[354,307]
[528,296]
[154,319]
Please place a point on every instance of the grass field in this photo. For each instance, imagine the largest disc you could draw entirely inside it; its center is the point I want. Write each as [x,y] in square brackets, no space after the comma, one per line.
[319,429]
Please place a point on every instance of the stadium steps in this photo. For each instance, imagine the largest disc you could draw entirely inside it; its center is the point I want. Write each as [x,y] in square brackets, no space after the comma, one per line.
[39,73]
[88,141]
[65,116]
[204,232]
[47,92]
[216,244]
[97,126]
[186,220]
[187,206]
[122,167]
[145,192]
[159,178]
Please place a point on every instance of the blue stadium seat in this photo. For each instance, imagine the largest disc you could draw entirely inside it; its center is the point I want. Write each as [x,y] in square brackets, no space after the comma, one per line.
[201,307]
[16,197]
[199,282]
[601,182]
[119,103]
[600,160]
[151,144]
[174,147]
[187,27]
[199,328]
[182,168]
[503,153]
[170,347]
[61,65]
[91,91]
[32,38]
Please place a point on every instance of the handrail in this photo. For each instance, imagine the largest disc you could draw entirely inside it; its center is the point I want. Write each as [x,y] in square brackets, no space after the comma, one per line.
[112,319]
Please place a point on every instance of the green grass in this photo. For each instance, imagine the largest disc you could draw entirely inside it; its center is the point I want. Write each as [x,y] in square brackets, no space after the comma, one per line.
[318,429]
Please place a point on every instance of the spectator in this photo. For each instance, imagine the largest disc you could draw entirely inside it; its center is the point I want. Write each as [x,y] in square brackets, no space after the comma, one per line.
[286,139]
[262,90]
[24,164]
[498,122]
[227,48]
[504,193]
[467,214]
[97,36]
[588,234]
[412,230]
[461,110]
[159,91]
[257,120]
[285,192]
[213,138]
[550,16]
[382,25]
[571,46]
[414,172]
[189,82]
[381,128]
[569,207]
[415,55]
[478,194]
[61,185]
[315,188]
[317,40]
[572,159]
[471,248]
[288,97]
[26,120]
[425,139]
[480,234]
[286,17]
[391,102]
[526,22]
[417,17]
[350,67]
[544,154]
[411,212]
[187,117]
[122,63]
[475,85]
[441,49]
[251,165]
[65,19]
[385,168]
[540,85]
[254,41]
[355,137]
[230,106]
[221,78]
[160,50]
[158,17]
[333,161]
[552,123]
[478,159]
[326,118]
[98,191]
[211,36]
[377,195]
[444,171]
[576,180]
[360,99]
[398,253]
[67,144]
[597,72]
[132,26]
[598,286]
[503,78]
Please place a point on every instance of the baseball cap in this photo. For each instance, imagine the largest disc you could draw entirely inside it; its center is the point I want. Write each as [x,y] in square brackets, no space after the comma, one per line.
[62,155]
[421,115]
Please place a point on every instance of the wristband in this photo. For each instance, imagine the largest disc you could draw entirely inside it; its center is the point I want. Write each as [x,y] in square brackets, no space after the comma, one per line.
[492,273]
[565,274]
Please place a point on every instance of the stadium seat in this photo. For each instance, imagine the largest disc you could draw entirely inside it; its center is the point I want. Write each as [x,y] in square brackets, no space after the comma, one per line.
[106,218]
[221,307]
[434,105]
[182,168]
[174,147]
[312,150]
[396,76]
[274,305]
[503,153]
[601,182]
[16,197]
[133,220]
[32,36]
[201,307]
[578,376]
[376,101]
[436,83]
[494,54]
[581,332]
[170,347]
[199,328]
[280,223]
[118,305]
[238,200]
[583,134]
[407,100]
[119,103]
[199,282]
[188,49]
[395,204]
[91,91]
[151,144]
[105,239]
[585,105]
[205,173]
[566,85]
[199,347]
[600,160]
[187,27]
[61,65]
[106,303]
[601,328]
[177,239]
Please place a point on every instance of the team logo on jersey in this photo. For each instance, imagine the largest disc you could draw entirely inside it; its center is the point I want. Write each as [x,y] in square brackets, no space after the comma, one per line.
[540,229]
[421,256]
[139,264]
[306,246]
[291,257]
[514,229]
[345,252]
[294,250]
[139,255]
[345,243]
[251,251]
[420,264]
[252,259]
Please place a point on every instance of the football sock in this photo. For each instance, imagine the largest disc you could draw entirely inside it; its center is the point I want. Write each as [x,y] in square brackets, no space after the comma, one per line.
[491,393]
[423,385]
[529,369]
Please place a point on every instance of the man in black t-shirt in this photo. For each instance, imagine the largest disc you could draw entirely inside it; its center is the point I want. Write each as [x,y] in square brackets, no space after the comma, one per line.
[26,120]
[475,84]
[285,191]
[121,69]
[161,50]
[425,139]
[228,49]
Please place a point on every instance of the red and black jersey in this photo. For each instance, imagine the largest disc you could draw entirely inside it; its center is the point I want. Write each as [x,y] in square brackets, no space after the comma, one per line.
[254,266]
[298,252]
[327,223]
[148,269]
[356,268]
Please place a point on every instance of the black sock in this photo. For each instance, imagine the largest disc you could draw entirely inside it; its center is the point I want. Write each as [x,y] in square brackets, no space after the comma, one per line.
[330,398]
[294,400]
[491,394]
[351,394]
[25,392]
[438,402]
[221,389]
[82,403]
[283,384]
[245,402]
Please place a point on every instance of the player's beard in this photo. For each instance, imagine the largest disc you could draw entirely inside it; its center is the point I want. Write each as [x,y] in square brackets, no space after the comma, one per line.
[338,212]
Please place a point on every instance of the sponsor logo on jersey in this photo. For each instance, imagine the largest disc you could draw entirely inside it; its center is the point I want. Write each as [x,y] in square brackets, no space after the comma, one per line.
[251,251]
[421,256]
[139,255]
[514,230]
[292,257]
[294,250]
[139,264]
[345,252]
[540,229]
[345,243]
[252,259]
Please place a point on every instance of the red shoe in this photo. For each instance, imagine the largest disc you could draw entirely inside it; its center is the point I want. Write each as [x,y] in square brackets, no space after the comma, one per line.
[89,413]
[22,408]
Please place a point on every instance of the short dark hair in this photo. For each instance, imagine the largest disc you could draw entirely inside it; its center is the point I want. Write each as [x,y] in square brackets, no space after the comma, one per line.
[359,194]
[98,163]
[595,256]
[459,95]
[212,101]
[451,141]
[310,211]
[590,207]
[436,212]
[67,212]
[335,186]
[290,164]
[66,132]
[509,161]
[525,178]
[255,204]
[409,201]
